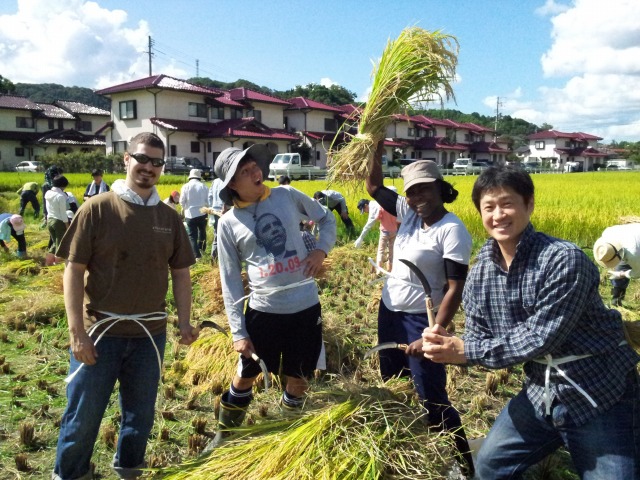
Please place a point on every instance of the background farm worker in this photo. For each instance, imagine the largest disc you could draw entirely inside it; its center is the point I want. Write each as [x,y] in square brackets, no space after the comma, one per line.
[284,180]
[438,243]
[13,226]
[49,174]
[218,207]
[29,195]
[619,248]
[388,230]
[57,219]
[283,319]
[533,298]
[173,200]
[127,241]
[98,185]
[335,201]
[193,197]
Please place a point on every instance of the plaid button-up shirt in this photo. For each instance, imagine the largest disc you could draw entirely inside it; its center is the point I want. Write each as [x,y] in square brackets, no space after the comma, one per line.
[547,303]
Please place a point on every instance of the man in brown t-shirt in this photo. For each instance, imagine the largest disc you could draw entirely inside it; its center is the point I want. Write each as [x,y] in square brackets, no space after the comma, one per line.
[126,242]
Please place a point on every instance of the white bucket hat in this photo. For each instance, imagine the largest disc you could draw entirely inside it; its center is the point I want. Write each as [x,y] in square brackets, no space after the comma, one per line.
[195,173]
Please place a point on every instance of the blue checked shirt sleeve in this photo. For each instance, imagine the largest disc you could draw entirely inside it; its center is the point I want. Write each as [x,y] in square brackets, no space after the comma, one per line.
[503,330]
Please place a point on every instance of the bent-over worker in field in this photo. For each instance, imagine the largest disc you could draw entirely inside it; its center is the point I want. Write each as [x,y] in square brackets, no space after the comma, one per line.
[282,321]
[619,248]
[335,201]
[128,242]
[533,299]
[12,226]
[438,243]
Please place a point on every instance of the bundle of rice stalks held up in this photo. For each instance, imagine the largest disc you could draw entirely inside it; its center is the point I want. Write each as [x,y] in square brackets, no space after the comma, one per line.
[370,433]
[417,66]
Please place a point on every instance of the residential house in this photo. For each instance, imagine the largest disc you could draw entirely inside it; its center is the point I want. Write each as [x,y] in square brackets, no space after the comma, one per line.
[418,137]
[317,124]
[193,120]
[565,151]
[29,130]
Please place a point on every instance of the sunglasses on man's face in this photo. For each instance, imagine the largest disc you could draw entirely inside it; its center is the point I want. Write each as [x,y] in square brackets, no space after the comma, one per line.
[142,158]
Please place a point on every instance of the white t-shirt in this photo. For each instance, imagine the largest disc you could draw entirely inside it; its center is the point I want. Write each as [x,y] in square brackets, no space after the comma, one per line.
[626,236]
[427,249]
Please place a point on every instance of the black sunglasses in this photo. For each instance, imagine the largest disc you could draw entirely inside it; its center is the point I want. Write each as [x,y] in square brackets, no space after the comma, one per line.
[142,158]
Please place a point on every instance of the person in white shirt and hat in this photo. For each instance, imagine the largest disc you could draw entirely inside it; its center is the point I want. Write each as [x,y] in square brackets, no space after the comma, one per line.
[618,249]
[193,197]
[12,225]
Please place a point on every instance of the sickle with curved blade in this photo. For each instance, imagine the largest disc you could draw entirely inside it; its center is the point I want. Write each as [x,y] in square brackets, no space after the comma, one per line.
[425,285]
[385,346]
[263,367]
[209,324]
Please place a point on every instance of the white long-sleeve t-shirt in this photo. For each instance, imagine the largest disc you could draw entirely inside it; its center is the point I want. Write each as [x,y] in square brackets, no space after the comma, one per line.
[265,239]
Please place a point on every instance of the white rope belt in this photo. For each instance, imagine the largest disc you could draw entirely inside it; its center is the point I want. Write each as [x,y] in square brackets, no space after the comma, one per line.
[550,362]
[118,317]
[389,274]
[268,290]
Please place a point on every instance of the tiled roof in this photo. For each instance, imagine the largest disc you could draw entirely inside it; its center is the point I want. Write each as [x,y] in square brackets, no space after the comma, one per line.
[159,81]
[556,134]
[53,111]
[244,94]
[486,147]
[70,137]
[437,143]
[241,127]
[582,152]
[393,143]
[299,103]
[224,99]
[81,108]
[106,126]
[16,102]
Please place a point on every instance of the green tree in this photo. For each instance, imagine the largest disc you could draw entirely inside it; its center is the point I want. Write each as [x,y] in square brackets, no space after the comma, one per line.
[333,95]
[6,86]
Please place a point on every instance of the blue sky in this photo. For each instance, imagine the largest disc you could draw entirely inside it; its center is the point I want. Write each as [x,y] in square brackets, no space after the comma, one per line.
[571,63]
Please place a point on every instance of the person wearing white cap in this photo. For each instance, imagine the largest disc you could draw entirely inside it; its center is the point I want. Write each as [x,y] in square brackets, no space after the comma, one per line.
[193,197]
[618,248]
[12,225]
[282,322]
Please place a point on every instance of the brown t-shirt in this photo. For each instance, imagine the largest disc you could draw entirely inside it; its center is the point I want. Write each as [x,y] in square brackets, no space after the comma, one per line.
[128,249]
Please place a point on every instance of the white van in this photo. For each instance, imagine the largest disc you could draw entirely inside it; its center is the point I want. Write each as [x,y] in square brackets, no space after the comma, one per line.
[460,166]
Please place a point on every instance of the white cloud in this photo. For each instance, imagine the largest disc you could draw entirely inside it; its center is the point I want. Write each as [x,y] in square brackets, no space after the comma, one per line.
[327,82]
[72,42]
[597,51]
[551,7]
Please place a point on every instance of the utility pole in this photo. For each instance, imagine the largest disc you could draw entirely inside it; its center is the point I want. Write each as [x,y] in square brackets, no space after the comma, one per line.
[150,54]
[197,68]
[495,125]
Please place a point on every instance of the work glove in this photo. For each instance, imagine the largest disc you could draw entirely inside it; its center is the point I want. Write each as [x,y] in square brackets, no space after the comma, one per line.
[358,243]
[617,275]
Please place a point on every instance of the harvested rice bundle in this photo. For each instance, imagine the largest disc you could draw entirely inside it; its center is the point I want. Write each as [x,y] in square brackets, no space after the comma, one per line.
[372,434]
[211,363]
[418,66]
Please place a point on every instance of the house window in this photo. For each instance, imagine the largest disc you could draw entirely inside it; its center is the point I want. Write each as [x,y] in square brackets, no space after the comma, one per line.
[83,126]
[411,132]
[19,152]
[330,125]
[286,123]
[52,124]
[209,147]
[128,110]
[236,113]
[195,147]
[413,155]
[24,122]
[540,145]
[197,110]
[257,114]
[430,133]
[217,113]
[174,150]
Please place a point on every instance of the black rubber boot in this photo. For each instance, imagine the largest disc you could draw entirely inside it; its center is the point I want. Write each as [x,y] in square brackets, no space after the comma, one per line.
[230,417]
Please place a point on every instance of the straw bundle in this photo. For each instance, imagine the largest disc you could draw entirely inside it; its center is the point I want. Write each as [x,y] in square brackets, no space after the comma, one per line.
[417,66]
[211,363]
[370,434]
[629,219]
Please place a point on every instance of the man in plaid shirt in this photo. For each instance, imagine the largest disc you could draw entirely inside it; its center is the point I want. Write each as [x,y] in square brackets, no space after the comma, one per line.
[534,299]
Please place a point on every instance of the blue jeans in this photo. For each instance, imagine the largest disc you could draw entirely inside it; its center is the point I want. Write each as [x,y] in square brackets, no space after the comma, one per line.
[606,447]
[133,363]
[197,230]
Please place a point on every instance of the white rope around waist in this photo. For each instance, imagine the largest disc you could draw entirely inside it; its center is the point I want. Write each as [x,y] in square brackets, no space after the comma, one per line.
[118,317]
[551,362]
[385,274]
[268,290]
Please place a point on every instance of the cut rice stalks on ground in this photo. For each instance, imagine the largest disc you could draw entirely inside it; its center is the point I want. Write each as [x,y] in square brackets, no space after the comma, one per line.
[417,66]
[369,433]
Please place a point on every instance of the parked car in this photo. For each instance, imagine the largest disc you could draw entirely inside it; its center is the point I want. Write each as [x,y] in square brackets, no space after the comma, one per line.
[460,166]
[532,167]
[29,166]
[475,168]
[183,165]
